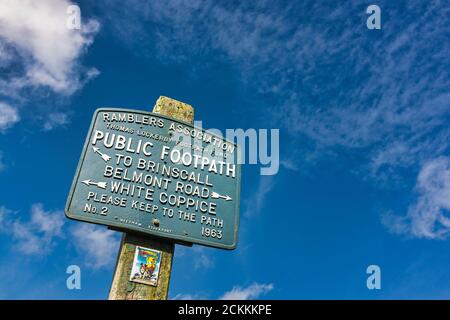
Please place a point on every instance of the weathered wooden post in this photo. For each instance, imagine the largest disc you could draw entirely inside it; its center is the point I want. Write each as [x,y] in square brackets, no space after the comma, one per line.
[122,288]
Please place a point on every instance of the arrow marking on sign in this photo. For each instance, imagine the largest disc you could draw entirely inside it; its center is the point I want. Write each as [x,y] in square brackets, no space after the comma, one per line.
[103,155]
[215,195]
[101,185]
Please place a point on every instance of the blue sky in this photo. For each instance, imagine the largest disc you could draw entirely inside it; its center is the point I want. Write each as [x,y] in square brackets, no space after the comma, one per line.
[364,140]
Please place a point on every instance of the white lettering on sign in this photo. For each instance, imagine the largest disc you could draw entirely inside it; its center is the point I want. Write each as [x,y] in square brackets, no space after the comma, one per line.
[120,142]
[197,161]
[135,174]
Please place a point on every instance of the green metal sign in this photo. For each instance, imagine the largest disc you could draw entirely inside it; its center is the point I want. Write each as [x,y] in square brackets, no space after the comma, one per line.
[148,173]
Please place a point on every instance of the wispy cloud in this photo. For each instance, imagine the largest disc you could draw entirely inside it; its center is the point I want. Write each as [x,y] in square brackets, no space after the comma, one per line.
[188,296]
[2,162]
[386,94]
[201,256]
[55,119]
[255,202]
[253,291]
[8,116]
[39,234]
[428,217]
[4,218]
[97,244]
[36,236]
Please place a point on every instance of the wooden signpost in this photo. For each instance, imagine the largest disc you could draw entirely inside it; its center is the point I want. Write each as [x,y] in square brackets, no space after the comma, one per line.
[159,180]
[122,288]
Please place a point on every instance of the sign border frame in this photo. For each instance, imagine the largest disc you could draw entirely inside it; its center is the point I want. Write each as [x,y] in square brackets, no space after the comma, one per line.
[132,228]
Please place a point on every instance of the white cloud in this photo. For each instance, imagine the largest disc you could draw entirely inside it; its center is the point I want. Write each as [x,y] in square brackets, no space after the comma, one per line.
[48,50]
[289,164]
[27,241]
[55,119]
[8,116]
[2,163]
[36,236]
[397,110]
[39,52]
[202,260]
[98,244]
[201,256]
[253,291]
[188,296]
[4,216]
[48,222]
[428,217]
[255,202]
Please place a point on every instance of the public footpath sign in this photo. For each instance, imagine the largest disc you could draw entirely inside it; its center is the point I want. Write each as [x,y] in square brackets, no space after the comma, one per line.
[144,172]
